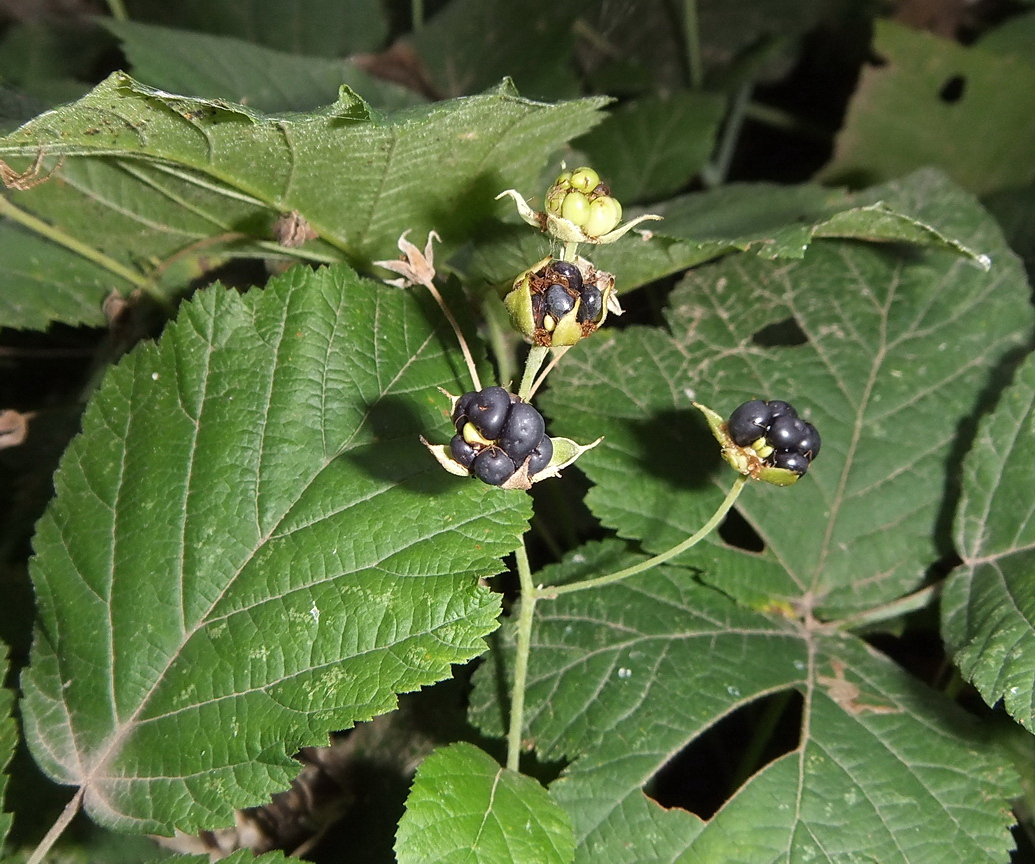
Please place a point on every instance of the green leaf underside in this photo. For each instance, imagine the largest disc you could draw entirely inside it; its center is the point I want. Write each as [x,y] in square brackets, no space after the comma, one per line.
[45,282]
[989,604]
[249,548]
[623,677]
[772,221]
[903,114]
[147,173]
[892,341]
[182,61]
[463,807]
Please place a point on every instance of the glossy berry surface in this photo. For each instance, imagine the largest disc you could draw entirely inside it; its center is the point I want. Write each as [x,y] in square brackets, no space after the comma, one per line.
[794,442]
[570,272]
[488,411]
[493,466]
[592,304]
[462,452]
[558,302]
[787,433]
[790,460]
[749,422]
[522,432]
[540,456]
[463,404]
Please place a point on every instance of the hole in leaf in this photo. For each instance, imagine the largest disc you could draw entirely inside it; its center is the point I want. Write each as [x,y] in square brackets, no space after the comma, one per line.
[736,531]
[784,333]
[708,771]
[952,89]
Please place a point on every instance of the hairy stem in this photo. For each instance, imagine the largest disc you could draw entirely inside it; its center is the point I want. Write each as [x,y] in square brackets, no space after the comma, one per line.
[459,334]
[58,828]
[716,171]
[558,353]
[533,363]
[526,611]
[552,591]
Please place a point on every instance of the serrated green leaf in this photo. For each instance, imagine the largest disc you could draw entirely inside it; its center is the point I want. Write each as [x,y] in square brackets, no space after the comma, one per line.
[464,807]
[653,147]
[988,606]
[8,742]
[907,112]
[869,343]
[249,548]
[623,677]
[147,174]
[328,28]
[264,79]
[772,221]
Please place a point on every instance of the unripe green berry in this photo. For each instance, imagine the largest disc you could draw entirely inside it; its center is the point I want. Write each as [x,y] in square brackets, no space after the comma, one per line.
[576,208]
[584,179]
[563,179]
[604,214]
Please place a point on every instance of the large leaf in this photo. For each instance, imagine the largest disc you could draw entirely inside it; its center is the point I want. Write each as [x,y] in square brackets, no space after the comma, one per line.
[653,147]
[969,111]
[623,677]
[772,221]
[885,350]
[328,28]
[989,603]
[249,547]
[146,174]
[264,79]
[464,807]
[8,741]
[46,282]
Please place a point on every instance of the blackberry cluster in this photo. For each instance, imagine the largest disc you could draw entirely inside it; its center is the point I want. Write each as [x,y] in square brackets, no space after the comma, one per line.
[555,292]
[496,433]
[776,433]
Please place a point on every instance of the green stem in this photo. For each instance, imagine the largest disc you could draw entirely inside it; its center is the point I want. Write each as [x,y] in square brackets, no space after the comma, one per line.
[526,611]
[692,37]
[715,173]
[16,214]
[118,10]
[459,333]
[533,363]
[417,15]
[552,591]
[558,353]
[570,250]
[894,609]
[501,340]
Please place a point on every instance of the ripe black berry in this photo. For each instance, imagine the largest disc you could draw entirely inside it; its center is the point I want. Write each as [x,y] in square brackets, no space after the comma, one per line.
[463,404]
[749,422]
[541,456]
[794,442]
[493,466]
[522,432]
[791,460]
[592,304]
[558,302]
[488,411]
[463,452]
[778,408]
[570,272]
[787,433]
